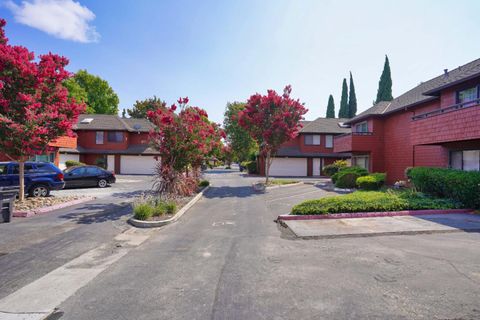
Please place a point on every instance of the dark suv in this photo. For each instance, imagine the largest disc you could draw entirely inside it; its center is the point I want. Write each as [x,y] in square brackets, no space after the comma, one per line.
[40,177]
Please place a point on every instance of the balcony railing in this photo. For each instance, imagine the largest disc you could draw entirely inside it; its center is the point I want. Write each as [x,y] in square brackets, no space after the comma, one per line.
[455,107]
[355,134]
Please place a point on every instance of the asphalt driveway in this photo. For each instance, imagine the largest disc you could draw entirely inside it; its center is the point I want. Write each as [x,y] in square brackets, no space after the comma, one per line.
[124,186]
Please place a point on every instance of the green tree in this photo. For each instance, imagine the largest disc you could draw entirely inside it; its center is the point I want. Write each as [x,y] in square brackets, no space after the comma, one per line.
[331,107]
[76,92]
[384,92]
[140,108]
[343,112]
[100,96]
[352,99]
[241,143]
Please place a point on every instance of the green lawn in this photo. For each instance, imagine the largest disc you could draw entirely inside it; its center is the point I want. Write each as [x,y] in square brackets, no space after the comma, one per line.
[276,182]
[371,201]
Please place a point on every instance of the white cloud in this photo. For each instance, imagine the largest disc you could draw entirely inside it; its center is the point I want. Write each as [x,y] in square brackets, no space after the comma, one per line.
[65,19]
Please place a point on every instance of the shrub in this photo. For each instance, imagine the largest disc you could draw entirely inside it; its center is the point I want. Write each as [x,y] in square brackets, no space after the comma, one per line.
[143,211]
[373,181]
[204,183]
[283,181]
[462,186]
[346,178]
[171,207]
[331,169]
[251,166]
[371,201]
[73,163]
[159,209]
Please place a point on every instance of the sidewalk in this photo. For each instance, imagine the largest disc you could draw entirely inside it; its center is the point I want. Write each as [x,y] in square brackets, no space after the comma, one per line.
[401,225]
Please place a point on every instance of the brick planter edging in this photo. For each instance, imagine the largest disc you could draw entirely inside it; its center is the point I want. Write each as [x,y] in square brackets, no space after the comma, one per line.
[373,214]
[30,213]
[160,223]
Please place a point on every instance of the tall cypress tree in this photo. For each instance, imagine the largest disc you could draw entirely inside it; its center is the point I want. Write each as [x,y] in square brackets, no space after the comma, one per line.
[343,112]
[384,92]
[352,99]
[331,107]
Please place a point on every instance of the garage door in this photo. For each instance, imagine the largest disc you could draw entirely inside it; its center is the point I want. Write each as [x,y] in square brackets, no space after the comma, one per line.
[137,164]
[295,167]
[65,157]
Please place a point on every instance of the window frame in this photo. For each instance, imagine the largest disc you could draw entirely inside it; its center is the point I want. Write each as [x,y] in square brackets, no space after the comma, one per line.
[361,124]
[457,94]
[116,135]
[326,141]
[313,139]
[97,135]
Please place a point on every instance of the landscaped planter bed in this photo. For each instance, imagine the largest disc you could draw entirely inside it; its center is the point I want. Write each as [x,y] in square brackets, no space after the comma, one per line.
[183,204]
[32,206]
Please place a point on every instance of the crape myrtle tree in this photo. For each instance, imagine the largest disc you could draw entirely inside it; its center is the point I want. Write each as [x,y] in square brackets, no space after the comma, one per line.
[272,120]
[185,138]
[34,105]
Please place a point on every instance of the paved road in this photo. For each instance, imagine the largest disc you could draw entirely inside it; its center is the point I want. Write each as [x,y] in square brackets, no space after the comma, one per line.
[32,247]
[226,259]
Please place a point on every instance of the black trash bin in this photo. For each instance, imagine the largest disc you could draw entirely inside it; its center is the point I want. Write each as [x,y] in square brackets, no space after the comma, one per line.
[7,198]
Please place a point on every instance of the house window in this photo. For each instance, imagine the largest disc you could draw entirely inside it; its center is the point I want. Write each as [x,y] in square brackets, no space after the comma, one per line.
[467,95]
[312,139]
[328,141]
[361,161]
[99,137]
[115,136]
[362,127]
[468,160]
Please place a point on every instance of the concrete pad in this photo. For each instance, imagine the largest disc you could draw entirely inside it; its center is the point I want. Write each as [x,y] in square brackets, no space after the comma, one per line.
[352,227]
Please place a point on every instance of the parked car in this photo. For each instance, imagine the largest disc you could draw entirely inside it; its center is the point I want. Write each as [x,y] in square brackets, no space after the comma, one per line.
[40,177]
[87,176]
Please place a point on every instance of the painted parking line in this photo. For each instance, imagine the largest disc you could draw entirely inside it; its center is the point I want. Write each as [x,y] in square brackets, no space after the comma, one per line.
[40,298]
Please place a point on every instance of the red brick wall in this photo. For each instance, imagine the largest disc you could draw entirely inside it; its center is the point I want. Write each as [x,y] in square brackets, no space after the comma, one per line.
[138,138]
[86,139]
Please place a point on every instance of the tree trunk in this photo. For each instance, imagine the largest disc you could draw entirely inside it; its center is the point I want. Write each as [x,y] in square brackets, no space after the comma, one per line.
[267,167]
[21,176]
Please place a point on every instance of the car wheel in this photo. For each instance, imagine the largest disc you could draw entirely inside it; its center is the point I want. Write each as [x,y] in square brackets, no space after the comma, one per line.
[102,183]
[39,191]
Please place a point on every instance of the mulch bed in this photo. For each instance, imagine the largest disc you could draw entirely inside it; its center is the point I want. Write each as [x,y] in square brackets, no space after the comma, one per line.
[36,203]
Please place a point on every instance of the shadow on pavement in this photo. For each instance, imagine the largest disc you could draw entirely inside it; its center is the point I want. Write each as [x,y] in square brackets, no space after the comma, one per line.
[98,213]
[229,192]
[464,222]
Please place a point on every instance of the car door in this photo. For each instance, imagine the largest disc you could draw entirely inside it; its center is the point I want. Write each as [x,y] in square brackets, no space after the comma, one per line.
[75,178]
[14,175]
[4,181]
[91,176]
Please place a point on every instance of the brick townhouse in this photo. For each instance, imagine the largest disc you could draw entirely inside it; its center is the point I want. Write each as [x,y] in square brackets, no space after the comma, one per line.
[120,144]
[309,152]
[436,124]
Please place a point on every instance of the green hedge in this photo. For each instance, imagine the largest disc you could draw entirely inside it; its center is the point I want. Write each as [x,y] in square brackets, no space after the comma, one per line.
[463,186]
[331,169]
[346,178]
[251,166]
[73,163]
[204,183]
[373,181]
[372,201]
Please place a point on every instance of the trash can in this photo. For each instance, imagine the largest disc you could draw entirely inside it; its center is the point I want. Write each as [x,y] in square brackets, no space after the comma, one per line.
[7,198]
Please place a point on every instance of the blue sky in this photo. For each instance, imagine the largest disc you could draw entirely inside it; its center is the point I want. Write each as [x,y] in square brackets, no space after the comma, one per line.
[220,51]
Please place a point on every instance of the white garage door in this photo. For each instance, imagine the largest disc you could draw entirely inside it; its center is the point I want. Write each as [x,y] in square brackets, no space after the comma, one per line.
[137,164]
[65,157]
[295,167]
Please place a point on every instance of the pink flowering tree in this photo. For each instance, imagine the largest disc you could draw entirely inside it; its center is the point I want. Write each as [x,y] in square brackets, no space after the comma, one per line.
[272,120]
[185,138]
[34,104]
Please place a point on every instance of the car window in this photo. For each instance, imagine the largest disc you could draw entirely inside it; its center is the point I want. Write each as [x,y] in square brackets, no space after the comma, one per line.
[77,172]
[3,169]
[93,171]
[28,168]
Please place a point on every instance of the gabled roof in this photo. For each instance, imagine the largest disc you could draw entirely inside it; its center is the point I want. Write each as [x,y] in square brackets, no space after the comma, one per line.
[324,125]
[424,92]
[112,122]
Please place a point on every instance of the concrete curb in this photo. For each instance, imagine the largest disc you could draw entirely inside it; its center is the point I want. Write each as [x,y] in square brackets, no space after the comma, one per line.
[30,213]
[285,185]
[372,214]
[161,223]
